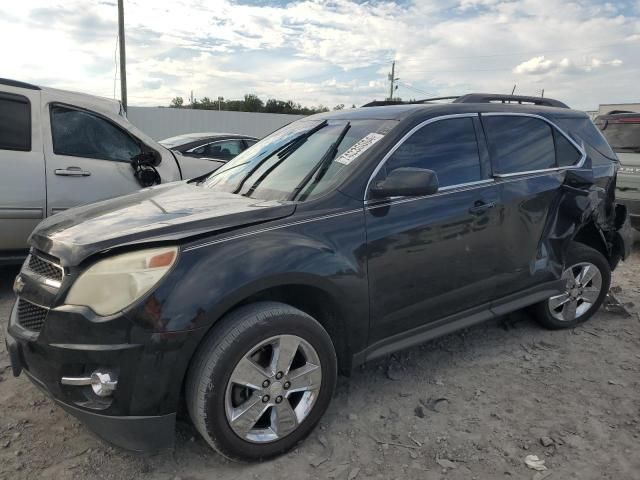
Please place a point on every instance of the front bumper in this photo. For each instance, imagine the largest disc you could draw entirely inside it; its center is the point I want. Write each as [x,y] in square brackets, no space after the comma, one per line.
[140,415]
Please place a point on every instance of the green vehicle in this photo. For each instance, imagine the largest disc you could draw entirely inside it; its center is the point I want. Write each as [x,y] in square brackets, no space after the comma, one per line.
[622,131]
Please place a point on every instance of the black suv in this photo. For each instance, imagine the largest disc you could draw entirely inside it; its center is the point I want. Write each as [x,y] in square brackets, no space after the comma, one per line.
[337,239]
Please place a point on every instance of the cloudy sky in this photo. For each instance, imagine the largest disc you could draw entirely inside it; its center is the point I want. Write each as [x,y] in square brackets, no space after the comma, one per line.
[328,52]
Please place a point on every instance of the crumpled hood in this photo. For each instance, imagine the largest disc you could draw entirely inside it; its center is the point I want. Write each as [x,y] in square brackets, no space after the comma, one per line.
[170,212]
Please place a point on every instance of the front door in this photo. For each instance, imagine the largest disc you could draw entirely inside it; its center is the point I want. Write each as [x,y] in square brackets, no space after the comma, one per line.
[434,256]
[87,159]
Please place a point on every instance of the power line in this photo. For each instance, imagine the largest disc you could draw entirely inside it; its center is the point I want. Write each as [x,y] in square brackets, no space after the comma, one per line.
[417,90]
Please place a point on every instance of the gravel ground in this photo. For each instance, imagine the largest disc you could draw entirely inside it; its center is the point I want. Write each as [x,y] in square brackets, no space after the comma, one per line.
[471,405]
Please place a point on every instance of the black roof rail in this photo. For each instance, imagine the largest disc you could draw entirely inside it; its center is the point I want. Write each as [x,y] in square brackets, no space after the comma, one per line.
[16,83]
[498,98]
[382,103]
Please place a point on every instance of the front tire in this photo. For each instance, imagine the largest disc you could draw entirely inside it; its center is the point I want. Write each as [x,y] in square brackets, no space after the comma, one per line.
[261,380]
[588,277]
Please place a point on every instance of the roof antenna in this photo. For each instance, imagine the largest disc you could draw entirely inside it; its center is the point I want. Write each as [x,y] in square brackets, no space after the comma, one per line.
[514,89]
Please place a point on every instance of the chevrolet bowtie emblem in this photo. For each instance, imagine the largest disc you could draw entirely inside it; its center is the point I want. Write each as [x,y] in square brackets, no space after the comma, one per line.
[18,285]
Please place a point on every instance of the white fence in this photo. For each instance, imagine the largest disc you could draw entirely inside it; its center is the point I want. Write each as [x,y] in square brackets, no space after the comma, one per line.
[159,123]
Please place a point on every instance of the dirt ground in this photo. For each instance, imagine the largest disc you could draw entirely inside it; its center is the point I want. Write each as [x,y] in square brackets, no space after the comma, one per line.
[471,405]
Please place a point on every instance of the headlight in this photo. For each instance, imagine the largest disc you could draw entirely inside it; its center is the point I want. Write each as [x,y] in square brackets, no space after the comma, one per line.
[115,283]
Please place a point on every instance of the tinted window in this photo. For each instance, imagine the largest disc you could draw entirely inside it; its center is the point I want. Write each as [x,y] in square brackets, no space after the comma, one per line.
[225,150]
[583,132]
[15,123]
[566,153]
[448,147]
[519,144]
[82,134]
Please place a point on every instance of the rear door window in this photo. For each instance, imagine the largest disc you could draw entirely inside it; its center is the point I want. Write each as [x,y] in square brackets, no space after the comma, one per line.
[78,133]
[519,144]
[448,147]
[15,122]
[225,150]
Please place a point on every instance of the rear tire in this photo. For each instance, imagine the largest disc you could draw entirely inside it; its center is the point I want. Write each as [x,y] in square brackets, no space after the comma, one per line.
[261,380]
[588,277]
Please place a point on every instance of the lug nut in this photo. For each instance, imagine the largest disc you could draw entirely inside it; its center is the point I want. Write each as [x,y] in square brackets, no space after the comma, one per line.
[265,384]
[265,399]
[279,375]
[286,385]
[278,399]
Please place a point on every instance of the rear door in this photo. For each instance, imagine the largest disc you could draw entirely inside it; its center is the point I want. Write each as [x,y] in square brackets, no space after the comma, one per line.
[22,183]
[433,256]
[529,160]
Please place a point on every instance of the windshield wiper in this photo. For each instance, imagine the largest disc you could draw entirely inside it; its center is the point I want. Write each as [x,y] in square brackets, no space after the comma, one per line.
[283,153]
[320,168]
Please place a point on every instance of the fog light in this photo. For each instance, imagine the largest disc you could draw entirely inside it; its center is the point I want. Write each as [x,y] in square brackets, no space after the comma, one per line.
[103,383]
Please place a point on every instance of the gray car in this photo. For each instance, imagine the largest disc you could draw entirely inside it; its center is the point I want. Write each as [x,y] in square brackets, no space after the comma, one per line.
[61,149]
[622,131]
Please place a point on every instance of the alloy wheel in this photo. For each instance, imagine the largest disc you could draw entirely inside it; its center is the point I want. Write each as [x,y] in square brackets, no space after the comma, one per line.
[273,388]
[583,287]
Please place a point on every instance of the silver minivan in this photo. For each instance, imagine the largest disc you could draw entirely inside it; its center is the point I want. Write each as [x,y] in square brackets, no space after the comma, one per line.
[61,149]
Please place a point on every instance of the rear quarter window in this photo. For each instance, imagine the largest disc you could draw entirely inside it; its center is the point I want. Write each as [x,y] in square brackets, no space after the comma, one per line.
[584,132]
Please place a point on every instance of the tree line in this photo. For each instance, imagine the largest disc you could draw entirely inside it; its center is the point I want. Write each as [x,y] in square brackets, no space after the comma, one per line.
[251,103]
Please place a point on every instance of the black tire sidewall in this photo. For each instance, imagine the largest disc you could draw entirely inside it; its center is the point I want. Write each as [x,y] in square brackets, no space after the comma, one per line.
[579,253]
[285,321]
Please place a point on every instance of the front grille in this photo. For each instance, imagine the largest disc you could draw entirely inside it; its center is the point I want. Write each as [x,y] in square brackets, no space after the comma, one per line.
[31,316]
[44,267]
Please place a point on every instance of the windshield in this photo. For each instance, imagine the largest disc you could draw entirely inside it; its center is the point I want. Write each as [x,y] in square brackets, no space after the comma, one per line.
[300,161]
[623,134]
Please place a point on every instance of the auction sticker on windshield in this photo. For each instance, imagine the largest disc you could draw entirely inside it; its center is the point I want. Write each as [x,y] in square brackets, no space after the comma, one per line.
[359,148]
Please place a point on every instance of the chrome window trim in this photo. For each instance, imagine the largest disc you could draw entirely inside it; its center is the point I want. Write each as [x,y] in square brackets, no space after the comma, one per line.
[580,148]
[577,165]
[406,136]
[463,187]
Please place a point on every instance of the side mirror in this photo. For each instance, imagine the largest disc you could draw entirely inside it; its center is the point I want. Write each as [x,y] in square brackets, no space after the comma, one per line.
[406,182]
[147,157]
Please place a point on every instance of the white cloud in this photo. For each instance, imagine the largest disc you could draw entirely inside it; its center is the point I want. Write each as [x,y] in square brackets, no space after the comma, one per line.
[535,65]
[541,65]
[315,52]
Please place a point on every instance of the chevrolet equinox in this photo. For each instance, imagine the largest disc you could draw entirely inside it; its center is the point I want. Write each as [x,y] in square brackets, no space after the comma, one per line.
[336,240]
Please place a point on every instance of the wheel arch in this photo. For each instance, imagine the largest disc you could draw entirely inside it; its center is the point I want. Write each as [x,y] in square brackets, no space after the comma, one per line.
[311,294]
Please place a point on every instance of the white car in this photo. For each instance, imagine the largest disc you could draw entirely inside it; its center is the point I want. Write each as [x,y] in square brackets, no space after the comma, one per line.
[61,149]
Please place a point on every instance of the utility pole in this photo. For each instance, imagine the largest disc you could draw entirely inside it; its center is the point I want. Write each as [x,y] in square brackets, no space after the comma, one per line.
[123,58]
[392,78]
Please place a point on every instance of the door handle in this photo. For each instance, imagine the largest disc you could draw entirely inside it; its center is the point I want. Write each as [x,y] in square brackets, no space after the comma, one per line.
[72,172]
[480,207]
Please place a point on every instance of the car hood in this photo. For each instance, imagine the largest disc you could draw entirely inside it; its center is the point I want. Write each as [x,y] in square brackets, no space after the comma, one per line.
[171,212]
